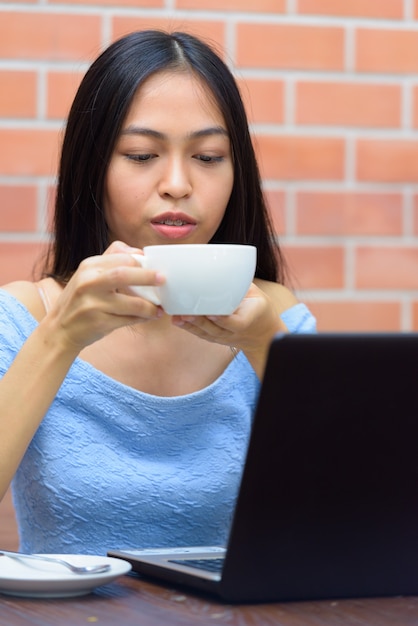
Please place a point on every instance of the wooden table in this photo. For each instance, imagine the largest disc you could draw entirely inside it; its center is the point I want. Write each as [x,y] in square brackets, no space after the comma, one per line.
[134,601]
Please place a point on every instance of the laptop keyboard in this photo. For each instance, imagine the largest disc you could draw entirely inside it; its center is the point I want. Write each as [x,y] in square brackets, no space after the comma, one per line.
[210,565]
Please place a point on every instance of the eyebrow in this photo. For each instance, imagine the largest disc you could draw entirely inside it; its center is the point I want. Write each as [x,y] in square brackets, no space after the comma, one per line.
[149,132]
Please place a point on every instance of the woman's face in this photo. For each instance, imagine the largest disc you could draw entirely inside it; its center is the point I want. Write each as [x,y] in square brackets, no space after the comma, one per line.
[171,173]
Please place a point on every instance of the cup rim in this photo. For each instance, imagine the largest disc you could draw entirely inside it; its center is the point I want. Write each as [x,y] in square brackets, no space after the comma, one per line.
[199,245]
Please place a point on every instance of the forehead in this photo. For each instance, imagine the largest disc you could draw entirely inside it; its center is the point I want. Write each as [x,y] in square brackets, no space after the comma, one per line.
[174,96]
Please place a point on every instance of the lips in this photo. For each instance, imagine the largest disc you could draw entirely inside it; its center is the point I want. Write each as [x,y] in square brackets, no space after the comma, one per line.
[173,219]
[173,225]
[169,222]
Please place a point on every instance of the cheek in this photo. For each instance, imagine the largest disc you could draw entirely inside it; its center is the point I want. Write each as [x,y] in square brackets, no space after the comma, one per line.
[225,190]
[119,191]
[108,189]
[220,199]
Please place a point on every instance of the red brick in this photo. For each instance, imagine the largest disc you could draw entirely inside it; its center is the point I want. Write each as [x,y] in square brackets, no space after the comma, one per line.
[415,106]
[49,36]
[263,99]
[387,160]
[294,158]
[267,6]
[348,213]
[50,208]
[148,4]
[275,200]
[387,51]
[315,267]
[61,89]
[17,208]
[348,104]
[343,316]
[290,46]
[380,9]
[18,93]
[29,152]
[415,215]
[19,260]
[387,267]
[415,316]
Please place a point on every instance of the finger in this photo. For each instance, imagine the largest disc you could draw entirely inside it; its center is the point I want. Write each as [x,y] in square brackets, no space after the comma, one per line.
[135,308]
[243,315]
[203,328]
[110,259]
[116,271]
[205,323]
[124,277]
[220,325]
[120,246]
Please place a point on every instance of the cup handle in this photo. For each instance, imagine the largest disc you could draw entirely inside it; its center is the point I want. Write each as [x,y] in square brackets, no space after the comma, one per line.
[145,291]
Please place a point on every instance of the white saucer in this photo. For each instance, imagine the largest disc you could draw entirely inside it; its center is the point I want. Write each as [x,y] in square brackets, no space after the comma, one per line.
[39,579]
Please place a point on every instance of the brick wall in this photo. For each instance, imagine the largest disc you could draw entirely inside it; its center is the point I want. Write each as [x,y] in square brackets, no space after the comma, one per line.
[332,93]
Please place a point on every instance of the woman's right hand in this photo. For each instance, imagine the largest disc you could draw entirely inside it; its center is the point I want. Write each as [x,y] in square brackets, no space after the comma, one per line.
[97,298]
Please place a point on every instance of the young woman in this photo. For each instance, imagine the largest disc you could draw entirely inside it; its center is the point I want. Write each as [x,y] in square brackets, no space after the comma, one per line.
[121,426]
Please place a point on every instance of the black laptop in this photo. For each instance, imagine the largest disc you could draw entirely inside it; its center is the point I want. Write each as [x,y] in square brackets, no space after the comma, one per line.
[328,503]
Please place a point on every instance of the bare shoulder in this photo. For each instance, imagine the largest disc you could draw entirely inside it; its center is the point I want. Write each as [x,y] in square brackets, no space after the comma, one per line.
[282,297]
[28,294]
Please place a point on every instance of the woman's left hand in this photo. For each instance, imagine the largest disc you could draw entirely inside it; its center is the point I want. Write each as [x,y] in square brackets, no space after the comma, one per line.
[250,328]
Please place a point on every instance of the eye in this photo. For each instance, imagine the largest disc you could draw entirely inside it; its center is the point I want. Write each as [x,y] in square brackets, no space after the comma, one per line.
[206,158]
[141,158]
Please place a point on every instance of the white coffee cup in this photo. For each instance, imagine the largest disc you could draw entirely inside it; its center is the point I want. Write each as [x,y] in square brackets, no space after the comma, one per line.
[200,279]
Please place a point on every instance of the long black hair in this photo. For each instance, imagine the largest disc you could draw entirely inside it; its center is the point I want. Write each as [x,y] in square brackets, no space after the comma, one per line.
[94,123]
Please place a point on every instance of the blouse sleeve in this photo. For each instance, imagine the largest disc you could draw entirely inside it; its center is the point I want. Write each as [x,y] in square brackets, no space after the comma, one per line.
[299,319]
[16,324]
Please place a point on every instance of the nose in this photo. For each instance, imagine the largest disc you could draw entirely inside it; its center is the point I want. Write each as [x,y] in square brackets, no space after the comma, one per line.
[175,179]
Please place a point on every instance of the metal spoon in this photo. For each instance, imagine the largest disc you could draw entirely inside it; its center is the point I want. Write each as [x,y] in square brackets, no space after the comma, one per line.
[88,569]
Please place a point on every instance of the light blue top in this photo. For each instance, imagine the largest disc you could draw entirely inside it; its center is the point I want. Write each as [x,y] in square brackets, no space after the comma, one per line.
[112,467]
